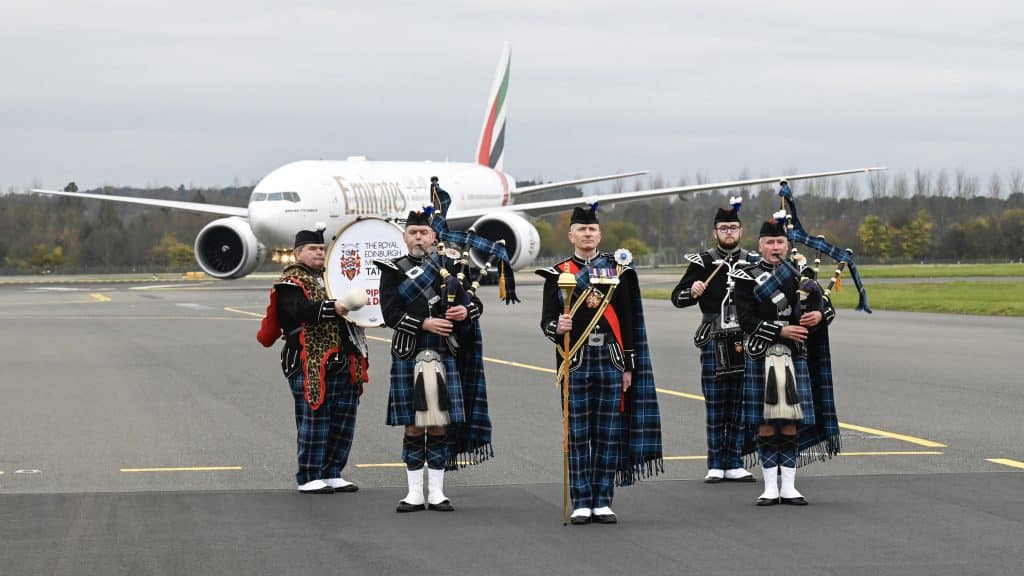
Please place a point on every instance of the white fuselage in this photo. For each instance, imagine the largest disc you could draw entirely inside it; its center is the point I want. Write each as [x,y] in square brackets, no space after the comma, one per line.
[298,195]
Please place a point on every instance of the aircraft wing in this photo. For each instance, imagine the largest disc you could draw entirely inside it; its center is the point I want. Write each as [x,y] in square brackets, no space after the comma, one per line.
[218,209]
[553,206]
[552,185]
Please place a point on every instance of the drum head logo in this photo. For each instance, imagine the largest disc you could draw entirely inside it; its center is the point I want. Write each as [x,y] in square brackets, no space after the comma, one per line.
[350,263]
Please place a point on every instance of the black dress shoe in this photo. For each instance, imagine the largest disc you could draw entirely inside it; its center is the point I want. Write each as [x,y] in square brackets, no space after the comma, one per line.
[579,520]
[798,501]
[767,501]
[348,488]
[442,506]
[404,506]
[605,518]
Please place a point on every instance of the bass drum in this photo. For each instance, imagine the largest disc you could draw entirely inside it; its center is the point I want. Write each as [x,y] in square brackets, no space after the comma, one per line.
[349,263]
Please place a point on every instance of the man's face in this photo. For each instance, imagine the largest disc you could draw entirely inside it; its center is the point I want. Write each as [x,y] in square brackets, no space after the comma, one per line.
[310,256]
[773,249]
[728,234]
[585,237]
[419,239]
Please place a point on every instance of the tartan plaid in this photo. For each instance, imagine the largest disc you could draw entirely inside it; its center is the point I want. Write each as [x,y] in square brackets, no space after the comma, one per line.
[798,234]
[414,452]
[641,452]
[439,222]
[437,451]
[752,411]
[775,282]
[595,429]
[412,288]
[324,436]
[723,396]
[470,442]
[820,440]
[400,398]
[642,436]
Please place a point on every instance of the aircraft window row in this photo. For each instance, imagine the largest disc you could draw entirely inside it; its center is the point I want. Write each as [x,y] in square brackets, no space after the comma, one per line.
[276,197]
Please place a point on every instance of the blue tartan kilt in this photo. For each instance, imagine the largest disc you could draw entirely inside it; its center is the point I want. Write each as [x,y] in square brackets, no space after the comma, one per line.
[753,391]
[401,411]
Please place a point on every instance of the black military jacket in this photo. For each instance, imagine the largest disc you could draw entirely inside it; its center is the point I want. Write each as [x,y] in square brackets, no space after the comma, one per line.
[622,302]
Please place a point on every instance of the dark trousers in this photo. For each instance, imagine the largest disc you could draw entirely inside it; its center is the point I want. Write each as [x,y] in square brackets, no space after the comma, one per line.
[324,435]
[595,429]
[723,396]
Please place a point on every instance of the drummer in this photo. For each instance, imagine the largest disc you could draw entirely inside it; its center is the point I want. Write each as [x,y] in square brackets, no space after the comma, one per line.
[324,360]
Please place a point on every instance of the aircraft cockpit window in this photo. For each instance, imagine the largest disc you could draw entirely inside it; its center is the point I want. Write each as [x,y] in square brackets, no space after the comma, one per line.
[274,197]
[292,197]
[259,197]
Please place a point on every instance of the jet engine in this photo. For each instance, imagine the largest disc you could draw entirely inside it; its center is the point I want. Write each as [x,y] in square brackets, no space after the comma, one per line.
[522,242]
[227,248]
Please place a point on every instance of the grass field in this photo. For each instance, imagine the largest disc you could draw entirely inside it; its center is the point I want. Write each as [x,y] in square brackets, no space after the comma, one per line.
[913,270]
[979,298]
[934,270]
[983,298]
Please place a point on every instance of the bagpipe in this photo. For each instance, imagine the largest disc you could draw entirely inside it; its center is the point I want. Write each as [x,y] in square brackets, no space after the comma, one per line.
[455,249]
[843,257]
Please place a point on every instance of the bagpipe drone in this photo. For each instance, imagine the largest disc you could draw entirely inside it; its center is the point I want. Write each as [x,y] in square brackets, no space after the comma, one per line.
[795,232]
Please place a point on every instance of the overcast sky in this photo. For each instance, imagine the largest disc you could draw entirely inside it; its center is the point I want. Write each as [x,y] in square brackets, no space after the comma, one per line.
[136,92]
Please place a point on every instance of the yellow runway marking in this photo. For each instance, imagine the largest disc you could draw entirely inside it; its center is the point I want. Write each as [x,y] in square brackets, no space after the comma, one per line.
[237,311]
[184,469]
[908,453]
[893,435]
[1007,462]
[99,297]
[390,465]
[680,394]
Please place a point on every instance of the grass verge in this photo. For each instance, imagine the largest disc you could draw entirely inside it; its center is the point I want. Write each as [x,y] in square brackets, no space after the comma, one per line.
[977,298]
[869,271]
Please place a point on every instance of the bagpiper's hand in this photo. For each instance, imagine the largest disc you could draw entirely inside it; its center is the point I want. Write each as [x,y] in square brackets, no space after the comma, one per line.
[697,288]
[339,308]
[438,326]
[793,332]
[564,324]
[456,313]
[627,380]
[810,319]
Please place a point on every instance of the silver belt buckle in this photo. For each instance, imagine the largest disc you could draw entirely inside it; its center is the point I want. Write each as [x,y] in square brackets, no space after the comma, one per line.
[595,339]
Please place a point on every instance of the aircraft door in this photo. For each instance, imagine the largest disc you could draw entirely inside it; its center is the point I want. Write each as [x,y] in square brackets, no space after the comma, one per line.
[334,200]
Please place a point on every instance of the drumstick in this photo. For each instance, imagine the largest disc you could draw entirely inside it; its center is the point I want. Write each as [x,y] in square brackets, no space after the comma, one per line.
[712,275]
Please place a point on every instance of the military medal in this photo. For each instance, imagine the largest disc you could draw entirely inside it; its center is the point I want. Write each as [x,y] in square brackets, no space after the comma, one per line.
[594,298]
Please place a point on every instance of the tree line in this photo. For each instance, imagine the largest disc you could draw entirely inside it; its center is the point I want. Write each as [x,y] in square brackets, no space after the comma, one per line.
[883,218]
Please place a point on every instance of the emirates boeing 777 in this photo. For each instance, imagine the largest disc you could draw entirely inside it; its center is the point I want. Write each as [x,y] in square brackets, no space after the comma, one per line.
[301,194]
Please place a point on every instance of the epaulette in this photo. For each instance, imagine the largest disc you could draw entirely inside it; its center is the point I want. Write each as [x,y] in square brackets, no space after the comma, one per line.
[742,271]
[696,258]
[550,272]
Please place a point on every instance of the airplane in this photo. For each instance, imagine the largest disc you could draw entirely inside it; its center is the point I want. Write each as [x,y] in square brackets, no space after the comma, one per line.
[301,194]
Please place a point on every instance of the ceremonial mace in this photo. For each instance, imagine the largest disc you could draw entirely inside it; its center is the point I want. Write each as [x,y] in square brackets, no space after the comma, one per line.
[566,283]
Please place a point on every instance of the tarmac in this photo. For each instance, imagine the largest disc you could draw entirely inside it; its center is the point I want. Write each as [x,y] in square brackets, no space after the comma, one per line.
[143,430]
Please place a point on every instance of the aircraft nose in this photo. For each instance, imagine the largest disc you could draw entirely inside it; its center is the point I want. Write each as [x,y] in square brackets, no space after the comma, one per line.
[264,221]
